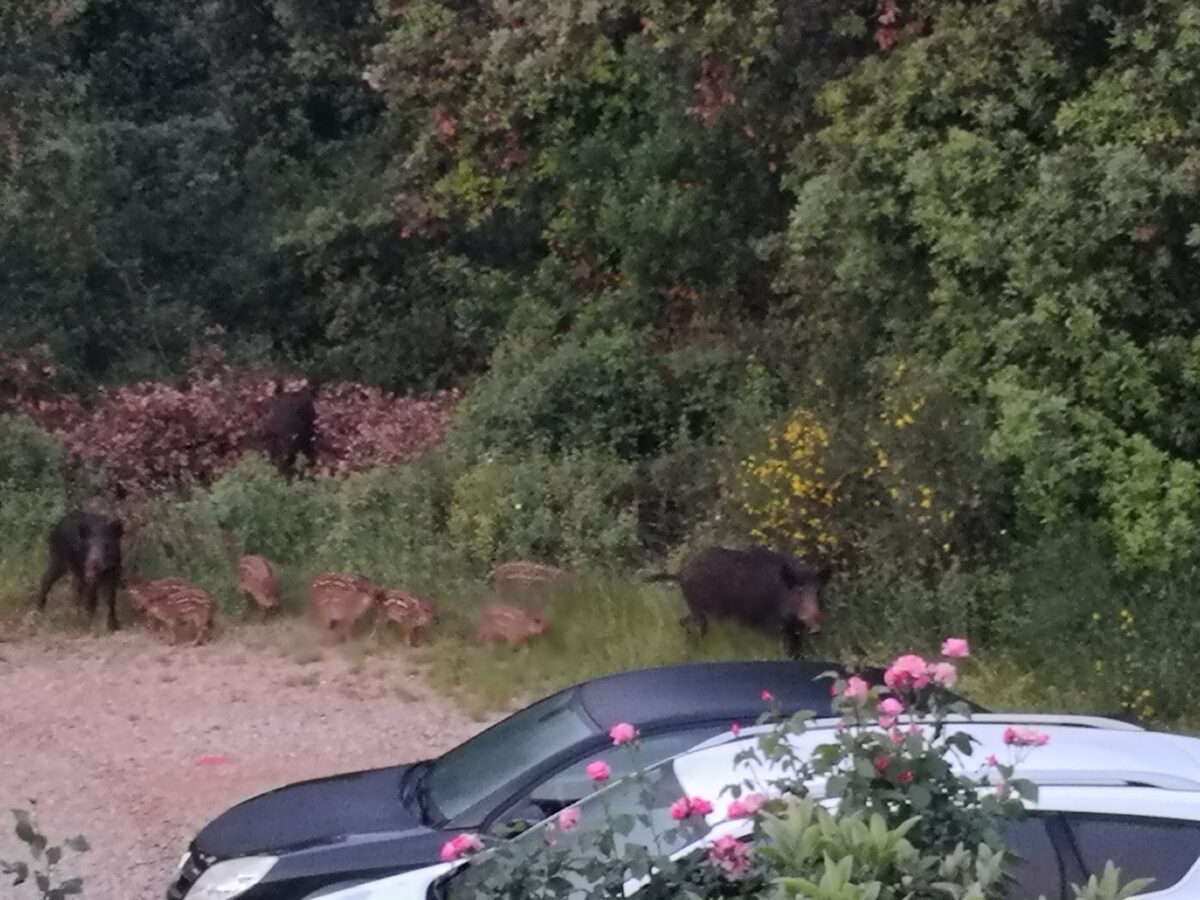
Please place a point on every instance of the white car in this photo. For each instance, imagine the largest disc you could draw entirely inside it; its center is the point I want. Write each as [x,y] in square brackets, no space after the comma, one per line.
[1108,790]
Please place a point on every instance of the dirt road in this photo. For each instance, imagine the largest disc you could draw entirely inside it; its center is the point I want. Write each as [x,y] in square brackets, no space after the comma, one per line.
[135,744]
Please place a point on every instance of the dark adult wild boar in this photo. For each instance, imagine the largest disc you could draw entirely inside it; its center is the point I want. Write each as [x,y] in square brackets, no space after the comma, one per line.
[89,547]
[757,587]
[290,427]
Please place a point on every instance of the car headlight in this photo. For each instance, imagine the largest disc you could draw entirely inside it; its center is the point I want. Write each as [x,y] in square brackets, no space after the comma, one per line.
[231,878]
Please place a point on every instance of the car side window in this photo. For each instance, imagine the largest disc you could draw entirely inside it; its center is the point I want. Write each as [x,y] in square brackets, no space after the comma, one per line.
[571,783]
[1037,870]
[1141,847]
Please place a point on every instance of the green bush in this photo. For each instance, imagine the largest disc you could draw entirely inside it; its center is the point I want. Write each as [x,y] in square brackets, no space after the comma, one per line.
[883,600]
[595,393]
[578,509]
[33,495]
[617,391]
[391,525]
[269,515]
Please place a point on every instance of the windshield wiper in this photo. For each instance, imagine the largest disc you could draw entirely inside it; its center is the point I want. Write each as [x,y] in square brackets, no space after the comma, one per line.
[414,788]
[409,780]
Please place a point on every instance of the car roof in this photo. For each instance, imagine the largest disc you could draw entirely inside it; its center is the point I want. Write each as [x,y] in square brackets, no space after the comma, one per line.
[1081,751]
[714,690]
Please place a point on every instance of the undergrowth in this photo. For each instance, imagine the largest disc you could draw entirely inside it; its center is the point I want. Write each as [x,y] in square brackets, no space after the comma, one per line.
[432,527]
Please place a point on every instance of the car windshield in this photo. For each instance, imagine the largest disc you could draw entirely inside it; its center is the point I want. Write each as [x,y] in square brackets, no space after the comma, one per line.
[626,803]
[470,772]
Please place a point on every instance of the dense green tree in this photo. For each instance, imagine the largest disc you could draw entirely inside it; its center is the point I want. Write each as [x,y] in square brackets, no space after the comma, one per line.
[1010,202]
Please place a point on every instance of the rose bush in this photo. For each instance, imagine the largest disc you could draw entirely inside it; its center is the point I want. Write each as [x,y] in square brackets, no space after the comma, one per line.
[888,809]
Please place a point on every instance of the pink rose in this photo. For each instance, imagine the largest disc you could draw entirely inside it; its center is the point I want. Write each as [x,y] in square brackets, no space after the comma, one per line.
[1025,737]
[459,846]
[991,760]
[735,728]
[856,688]
[891,707]
[897,737]
[765,696]
[916,730]
[881,764]
[955,647]
[907,671]
[904,777]
[729,855]
[568,818]
[745,807]
[888,710]
[944,673]
[690,806]
[598,771]
[622,733]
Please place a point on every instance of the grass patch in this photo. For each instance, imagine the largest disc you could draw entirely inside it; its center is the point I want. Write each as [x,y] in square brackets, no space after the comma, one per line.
[597,627]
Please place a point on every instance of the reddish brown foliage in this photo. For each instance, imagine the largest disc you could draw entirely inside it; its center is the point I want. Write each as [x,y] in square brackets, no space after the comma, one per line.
[446,125]
[25,386]
[149,435]
[890,25]
[714,89]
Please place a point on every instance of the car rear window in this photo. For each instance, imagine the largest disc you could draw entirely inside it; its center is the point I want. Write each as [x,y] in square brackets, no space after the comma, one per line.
[1162,849]
[1036,870]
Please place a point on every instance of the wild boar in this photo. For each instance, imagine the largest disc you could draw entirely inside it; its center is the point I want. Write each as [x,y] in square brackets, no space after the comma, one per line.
[257,582]
[509,624]
[414,616]
[89,547]
[758,587]
[337,602]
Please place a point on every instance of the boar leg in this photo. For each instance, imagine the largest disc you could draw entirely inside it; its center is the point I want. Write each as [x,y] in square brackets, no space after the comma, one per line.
[108,582]
[54,572]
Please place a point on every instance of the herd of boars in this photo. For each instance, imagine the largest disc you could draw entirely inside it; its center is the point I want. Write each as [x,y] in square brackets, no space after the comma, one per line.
[758,587]
[88,546]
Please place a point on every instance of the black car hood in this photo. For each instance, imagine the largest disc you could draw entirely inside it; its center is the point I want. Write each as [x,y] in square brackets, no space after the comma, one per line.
[310,814]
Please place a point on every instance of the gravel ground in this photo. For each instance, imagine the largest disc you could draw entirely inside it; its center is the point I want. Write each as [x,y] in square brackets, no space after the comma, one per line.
[136,744]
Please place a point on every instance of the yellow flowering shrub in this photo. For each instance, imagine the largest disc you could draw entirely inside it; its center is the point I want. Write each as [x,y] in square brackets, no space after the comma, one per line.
[905,481]
[1125,664]
[920,470]
[786,489]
